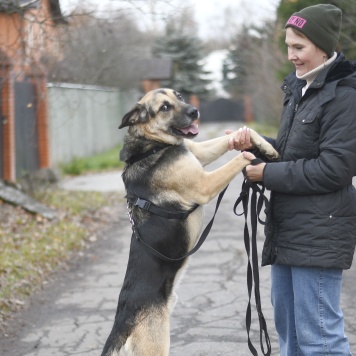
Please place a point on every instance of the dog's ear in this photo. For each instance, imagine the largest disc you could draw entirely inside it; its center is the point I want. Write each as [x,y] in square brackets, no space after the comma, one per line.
[137,115]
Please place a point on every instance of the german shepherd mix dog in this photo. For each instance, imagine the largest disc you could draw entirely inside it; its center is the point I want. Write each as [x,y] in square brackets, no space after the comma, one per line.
[166,188]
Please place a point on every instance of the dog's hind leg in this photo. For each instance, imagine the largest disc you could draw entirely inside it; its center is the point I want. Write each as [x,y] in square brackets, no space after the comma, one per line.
[150,336]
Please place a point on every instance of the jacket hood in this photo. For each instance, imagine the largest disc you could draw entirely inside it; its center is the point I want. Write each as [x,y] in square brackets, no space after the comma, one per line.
[341,69]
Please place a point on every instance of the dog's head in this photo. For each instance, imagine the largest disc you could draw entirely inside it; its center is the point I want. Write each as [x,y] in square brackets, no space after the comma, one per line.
[162,115]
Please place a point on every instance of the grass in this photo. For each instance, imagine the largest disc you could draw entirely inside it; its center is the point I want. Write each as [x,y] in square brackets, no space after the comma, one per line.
[100,162]
[264,129]
[261,128]
[31,247]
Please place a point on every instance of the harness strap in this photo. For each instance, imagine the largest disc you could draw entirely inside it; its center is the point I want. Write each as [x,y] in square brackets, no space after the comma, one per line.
[194,249]
[152,208]
[252,264]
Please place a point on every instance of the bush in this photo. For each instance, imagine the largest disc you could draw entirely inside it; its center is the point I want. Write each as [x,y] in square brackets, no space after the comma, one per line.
[102,161]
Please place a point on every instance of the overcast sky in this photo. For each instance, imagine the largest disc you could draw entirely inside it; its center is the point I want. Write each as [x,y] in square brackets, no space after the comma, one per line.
[209,14]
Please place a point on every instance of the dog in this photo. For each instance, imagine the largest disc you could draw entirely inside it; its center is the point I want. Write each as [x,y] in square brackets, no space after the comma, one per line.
[164,170]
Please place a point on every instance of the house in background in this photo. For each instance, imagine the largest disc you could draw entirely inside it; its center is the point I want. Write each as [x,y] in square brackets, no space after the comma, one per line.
[28,34]
[153,72]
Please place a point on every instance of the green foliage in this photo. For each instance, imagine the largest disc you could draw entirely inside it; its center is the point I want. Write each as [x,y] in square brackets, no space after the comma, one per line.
[264,129]
[103,161]
[238,61]
[284,69]
[186,52]
[347,43]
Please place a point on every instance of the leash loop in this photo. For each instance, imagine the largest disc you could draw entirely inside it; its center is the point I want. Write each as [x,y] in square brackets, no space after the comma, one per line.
[252,193]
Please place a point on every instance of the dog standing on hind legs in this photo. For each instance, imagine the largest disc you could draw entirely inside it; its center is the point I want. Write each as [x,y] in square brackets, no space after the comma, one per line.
[166,188]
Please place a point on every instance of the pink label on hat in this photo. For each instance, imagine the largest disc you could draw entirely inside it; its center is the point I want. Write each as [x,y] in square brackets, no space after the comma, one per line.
[297,21]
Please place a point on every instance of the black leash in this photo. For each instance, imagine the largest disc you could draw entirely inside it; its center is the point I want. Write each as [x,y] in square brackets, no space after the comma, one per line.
[251,249]
[194,249]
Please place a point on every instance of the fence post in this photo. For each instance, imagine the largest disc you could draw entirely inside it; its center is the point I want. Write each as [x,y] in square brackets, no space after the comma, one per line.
[8,115]
[40,83]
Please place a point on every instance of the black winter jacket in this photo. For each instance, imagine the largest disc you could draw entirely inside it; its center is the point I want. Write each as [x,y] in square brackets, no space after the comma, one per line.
[311,220]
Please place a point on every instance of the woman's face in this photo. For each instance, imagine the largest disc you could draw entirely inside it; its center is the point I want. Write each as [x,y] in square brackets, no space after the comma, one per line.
[303,53]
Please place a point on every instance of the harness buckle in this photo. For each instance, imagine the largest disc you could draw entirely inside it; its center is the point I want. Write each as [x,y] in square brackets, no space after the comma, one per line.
[143,204]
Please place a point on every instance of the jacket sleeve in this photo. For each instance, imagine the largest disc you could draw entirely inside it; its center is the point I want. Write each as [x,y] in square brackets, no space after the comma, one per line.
[336,164]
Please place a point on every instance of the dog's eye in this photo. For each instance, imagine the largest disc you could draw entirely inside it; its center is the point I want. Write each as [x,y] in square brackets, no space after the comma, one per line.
[165,107]
[180,97]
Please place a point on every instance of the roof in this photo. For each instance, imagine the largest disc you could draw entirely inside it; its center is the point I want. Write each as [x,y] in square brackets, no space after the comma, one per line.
[15,6]
[155,68]
[56,12]
[12,6]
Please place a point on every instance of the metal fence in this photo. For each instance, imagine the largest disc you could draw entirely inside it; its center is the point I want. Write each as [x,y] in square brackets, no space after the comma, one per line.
[26,141]
[84,120]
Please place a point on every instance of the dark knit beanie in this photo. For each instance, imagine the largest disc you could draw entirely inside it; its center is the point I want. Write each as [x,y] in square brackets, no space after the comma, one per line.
[321,24]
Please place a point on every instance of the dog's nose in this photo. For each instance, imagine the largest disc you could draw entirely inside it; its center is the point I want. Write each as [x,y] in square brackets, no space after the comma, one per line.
[193,112]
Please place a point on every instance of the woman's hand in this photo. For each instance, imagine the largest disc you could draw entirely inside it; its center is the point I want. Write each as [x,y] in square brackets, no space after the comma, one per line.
[254,173]
[241,141]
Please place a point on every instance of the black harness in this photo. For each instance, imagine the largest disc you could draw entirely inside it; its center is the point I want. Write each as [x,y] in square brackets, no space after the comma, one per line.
[152,208]
[172,215]
[252,270]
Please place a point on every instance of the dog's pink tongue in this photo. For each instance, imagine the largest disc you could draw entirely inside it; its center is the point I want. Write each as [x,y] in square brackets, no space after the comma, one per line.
[193,129]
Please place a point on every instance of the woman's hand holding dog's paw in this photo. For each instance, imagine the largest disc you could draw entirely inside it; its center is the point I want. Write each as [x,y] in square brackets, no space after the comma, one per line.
[241,141]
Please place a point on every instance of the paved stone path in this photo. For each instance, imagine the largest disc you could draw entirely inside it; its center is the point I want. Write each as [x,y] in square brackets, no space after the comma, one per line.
[74,314]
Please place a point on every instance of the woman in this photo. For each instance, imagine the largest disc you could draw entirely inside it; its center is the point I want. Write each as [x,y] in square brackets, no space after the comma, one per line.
[311,222]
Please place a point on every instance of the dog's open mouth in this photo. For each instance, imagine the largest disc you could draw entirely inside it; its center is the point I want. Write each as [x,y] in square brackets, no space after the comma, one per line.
[189,131]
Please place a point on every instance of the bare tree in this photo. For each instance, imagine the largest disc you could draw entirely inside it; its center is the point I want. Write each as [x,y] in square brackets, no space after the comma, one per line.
[103,46]
[101,51]
[251,71]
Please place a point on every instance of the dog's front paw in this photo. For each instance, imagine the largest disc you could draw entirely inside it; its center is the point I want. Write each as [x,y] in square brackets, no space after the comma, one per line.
[267,150]
[263,146]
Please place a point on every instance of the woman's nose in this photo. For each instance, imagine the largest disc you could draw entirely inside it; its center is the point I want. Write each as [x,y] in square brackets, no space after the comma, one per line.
[291,55]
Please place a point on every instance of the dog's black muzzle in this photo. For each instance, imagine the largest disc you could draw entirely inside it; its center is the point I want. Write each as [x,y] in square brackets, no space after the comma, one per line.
[193,113]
